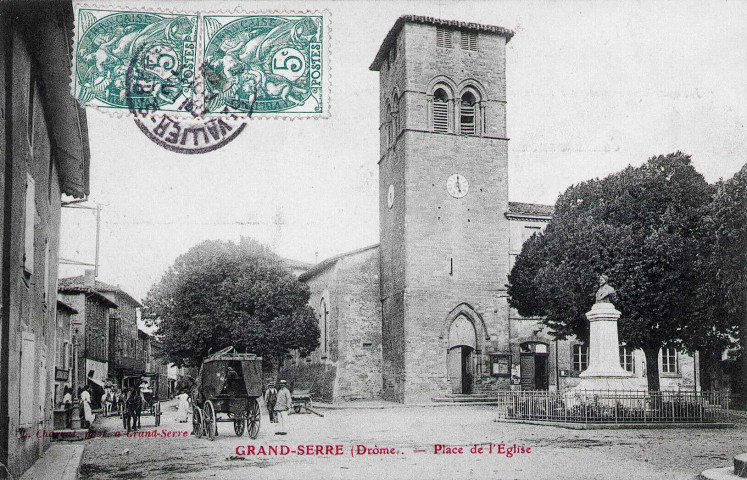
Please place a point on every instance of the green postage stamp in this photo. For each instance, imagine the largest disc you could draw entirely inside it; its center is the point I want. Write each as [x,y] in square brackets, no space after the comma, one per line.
[200,64]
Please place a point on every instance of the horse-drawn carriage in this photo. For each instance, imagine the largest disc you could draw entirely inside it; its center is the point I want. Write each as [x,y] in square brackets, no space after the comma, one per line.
[142,395]
[229,383]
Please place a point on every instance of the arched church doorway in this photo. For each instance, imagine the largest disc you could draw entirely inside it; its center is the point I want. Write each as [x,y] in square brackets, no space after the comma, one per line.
[461,355]
[534,358]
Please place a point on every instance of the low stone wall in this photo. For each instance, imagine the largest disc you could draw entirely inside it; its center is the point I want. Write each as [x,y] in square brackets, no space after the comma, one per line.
[320,377]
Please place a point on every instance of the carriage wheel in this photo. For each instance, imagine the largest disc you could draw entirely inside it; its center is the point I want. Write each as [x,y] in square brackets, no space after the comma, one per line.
[197,422]
[238,426]
[297,408]
[253,417]
[208,422]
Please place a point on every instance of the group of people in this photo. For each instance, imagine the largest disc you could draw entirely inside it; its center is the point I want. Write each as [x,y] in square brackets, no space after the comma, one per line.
[111,400]
[278,402]
[86,412]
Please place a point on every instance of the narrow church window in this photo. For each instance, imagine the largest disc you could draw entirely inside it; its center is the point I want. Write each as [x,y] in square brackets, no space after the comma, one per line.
[468,41]
[325,313]
[580,357]
[388,124]
[444,38]
[395,116]
[440,111]
[467,114]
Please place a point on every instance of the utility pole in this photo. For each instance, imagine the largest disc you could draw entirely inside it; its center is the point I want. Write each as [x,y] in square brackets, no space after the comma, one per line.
[98,231]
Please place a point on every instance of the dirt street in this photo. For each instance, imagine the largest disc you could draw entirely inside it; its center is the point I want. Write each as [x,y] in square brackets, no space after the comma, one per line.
[555,452]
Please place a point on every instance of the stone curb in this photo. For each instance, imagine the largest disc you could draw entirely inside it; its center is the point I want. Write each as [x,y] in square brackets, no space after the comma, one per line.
[617,426]
[399,405]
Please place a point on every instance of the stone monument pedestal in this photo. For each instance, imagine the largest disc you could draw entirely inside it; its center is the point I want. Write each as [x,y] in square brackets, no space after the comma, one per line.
[604,371]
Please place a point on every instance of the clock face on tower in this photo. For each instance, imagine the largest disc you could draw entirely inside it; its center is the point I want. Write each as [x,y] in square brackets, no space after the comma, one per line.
[457,185]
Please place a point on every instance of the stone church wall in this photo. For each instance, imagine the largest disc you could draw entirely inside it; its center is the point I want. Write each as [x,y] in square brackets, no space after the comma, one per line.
[351,366]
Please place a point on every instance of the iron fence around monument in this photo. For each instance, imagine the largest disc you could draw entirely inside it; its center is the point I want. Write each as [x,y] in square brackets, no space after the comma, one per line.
[614,406]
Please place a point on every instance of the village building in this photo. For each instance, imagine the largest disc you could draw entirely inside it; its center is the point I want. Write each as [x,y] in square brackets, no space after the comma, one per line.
[44,149]
[90,334]
[122,331]
[424,314]
[144,352]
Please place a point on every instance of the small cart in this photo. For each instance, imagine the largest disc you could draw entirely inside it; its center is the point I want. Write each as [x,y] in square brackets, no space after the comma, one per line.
[301,398]
[229,383]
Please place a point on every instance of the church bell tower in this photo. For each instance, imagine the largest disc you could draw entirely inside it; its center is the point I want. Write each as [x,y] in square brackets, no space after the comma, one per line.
[443,195]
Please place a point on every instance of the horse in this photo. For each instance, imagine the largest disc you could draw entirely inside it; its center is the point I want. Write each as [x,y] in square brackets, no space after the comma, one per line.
[132,407]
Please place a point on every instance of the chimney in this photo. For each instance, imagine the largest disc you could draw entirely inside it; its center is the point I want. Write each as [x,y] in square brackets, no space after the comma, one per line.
[89,279]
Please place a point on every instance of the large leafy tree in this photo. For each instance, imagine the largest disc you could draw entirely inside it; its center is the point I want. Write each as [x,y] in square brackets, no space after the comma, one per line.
[222,293]
[640,226]
[721,302]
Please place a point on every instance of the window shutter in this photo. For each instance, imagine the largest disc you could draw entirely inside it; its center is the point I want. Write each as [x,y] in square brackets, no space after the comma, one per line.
[440,116]
[27,380]
[30,220]
[467,124]
[444,38]
[468,41]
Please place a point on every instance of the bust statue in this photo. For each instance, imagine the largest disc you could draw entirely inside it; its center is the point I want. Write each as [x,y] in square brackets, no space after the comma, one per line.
[605,292]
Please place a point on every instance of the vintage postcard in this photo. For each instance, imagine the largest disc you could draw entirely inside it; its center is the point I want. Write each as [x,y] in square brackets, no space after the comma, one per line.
[295,239]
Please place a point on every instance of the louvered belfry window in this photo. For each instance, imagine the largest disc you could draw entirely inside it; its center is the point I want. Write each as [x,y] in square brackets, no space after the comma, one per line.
[467,114]
[468,41]
[444,38]
[440,111]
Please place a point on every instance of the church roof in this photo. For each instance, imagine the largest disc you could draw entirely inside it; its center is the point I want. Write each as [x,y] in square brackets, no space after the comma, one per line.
[391,37]
[324,264]
[520,209]
[296,264]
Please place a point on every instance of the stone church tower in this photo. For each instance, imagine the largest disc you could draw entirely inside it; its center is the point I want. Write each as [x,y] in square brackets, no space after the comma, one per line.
[443,196]
[424,313]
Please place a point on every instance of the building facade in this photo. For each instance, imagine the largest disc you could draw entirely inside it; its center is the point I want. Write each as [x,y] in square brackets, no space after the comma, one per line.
[63,350]
[44,149]
[90,335]
[122,340]
[425,314]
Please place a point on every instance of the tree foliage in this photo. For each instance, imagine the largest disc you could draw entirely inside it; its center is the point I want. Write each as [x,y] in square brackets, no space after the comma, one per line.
[640,226]
[222,293]
[721,302]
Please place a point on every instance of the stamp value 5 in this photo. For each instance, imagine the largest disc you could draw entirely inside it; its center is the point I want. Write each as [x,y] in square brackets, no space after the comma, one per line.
[202,64]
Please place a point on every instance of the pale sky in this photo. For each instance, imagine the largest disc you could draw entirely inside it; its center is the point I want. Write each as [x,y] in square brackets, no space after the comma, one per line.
[592,87]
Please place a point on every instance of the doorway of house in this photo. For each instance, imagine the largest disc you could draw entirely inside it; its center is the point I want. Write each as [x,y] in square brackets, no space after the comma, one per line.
[534,366]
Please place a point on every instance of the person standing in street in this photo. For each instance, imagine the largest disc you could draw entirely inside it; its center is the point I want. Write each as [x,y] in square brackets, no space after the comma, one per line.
[85,403]
[282,406]
[182,415]
[271,397]
[67,403]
